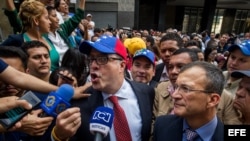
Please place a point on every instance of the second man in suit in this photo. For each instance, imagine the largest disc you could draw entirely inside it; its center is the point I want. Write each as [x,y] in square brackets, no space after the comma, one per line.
[199,86]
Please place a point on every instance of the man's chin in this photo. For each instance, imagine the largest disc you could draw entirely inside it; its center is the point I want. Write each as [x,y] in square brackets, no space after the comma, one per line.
[172,81]
[44,71]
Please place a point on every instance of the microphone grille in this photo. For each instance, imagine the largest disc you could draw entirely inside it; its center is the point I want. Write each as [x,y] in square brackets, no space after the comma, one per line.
[65,91]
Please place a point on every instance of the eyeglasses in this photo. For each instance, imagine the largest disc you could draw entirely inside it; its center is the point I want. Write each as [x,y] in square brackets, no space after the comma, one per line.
[102,60]
[185,90]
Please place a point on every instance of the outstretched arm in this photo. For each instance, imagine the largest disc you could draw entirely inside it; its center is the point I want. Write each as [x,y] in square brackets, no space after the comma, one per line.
[12,15]
[25,81]
[10,5]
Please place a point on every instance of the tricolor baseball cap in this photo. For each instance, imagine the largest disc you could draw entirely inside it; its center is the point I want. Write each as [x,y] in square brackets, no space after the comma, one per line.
[240,73]
[244,46]
[105,44]
[145,53]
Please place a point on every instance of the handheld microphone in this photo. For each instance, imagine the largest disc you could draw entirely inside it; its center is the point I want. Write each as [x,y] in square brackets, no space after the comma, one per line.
[101,122]
[57,101]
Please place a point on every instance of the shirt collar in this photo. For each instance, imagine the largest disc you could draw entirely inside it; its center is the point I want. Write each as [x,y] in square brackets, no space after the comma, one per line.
[121,93]
[164,69]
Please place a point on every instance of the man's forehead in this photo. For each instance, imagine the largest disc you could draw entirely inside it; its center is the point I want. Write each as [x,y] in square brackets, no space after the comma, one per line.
[180,58]
[37,50]
[170,42]
[194,71]
[192,76]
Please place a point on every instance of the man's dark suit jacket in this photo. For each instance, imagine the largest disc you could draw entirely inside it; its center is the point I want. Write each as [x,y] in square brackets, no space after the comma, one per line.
[145,96]
[153,83]
[158,71]
[169,127]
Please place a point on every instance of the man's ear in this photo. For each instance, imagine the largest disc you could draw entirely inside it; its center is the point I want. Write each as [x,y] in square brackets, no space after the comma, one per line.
[123,64]
[213,100]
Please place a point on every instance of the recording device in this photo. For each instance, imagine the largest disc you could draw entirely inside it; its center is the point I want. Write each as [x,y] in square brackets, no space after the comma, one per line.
[101,122]
[57,101]
[65,77]
[9,118]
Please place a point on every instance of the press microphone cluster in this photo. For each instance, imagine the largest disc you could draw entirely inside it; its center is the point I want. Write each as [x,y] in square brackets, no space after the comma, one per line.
[101,122]
[57,101]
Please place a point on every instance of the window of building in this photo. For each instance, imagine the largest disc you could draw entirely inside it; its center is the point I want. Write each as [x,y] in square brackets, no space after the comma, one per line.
[193,15]
[217,21]
[242,21]
[192,18]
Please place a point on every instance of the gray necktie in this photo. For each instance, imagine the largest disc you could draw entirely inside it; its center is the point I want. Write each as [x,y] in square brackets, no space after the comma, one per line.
[191,134]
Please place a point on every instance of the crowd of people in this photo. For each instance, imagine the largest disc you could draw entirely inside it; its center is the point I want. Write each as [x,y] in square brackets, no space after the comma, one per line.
[167,85]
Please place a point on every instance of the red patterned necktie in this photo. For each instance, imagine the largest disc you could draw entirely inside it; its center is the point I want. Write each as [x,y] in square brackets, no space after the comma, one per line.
[121,127]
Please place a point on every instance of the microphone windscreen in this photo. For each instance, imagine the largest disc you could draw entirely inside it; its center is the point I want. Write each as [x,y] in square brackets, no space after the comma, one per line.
[65,91]
[102,120]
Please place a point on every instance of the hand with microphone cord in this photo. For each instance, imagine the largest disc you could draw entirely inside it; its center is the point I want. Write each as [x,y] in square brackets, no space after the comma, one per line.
[101,122]
[57,101]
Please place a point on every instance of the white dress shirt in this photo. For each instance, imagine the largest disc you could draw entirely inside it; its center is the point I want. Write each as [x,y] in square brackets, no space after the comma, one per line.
[59,43]
[164,75]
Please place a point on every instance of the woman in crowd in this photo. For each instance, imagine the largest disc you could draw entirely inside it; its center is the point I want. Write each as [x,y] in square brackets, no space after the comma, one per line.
[71,60]
[35,24]
[210,54]
[62,8]
[59,33]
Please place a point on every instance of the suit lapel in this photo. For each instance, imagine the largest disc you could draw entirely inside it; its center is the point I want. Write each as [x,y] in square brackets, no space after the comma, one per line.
[219,131]
[140,98]
[95,100]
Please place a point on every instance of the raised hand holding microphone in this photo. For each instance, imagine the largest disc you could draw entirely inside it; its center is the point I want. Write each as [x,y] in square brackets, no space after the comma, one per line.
[57,105]
[101,122]
[57,101]
[67,123]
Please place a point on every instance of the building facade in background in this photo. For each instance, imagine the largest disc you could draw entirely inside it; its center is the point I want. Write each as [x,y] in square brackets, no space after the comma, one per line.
[219,16]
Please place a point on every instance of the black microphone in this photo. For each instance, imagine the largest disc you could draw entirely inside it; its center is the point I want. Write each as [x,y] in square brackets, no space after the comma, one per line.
[57,101]
[101,122]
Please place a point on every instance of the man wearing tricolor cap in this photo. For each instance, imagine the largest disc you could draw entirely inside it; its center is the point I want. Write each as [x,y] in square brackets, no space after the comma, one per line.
[143,67]
[107,63]
[242,98]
